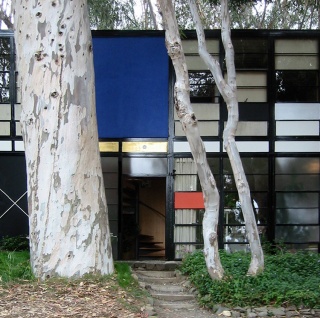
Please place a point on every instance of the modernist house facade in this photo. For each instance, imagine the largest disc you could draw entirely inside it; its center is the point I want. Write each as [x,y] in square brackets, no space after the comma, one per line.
[154,198]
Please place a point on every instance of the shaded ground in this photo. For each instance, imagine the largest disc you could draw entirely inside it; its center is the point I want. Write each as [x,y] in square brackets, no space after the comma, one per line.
[59,298]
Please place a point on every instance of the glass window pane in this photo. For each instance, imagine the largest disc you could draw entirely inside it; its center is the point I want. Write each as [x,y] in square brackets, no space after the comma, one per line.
[297,233]
[185,234]
[297,182]
[251,53]
[297,86]
[202,88]
[297,200]
[4,95]
[145,166]
[233,212]
[182,249]
[297,165]
[4,62]
[297,216]
[256,182]
[250,165]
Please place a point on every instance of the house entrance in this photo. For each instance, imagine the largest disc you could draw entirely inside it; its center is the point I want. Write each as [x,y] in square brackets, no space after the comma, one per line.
[143,214]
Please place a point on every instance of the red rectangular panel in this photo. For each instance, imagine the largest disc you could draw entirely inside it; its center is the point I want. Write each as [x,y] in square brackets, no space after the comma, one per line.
[188,200]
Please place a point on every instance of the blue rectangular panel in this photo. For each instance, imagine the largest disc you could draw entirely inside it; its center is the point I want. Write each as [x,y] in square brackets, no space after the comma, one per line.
[131,86]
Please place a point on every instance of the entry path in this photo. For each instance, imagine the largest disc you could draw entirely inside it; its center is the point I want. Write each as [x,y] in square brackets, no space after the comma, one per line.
[172,296]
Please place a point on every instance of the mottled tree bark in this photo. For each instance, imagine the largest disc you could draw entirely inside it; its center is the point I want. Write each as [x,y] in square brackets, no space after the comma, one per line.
[190,127]
[69,231]
[228,90]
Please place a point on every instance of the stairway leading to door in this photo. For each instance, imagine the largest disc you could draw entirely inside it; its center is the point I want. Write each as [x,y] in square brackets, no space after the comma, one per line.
[149,248]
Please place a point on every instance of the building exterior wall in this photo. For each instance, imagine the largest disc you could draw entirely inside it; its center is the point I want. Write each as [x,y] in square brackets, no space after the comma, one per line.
[140,136]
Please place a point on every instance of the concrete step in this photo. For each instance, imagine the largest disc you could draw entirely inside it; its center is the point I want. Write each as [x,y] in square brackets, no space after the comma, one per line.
[159,280]
[184,305]
[156,274]
[168,288]
[172,297]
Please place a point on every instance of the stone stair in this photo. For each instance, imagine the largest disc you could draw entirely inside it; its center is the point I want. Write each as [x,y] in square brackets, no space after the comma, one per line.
[168,288]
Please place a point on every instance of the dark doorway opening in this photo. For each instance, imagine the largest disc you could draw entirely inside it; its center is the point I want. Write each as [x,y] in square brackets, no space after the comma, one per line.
[143,214]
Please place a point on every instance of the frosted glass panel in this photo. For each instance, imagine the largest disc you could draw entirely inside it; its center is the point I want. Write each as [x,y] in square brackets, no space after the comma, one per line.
[298,216]
[252,79]
[183,146]
[18,129]
[296,63]
[205,111]
[296,128]
[5,111]
[191,46]
[17,111]
[5,145]
[297,146]
[296,46]
[207,128]
[291,111]
[19,145]
[145,166]
[252,146]
[252,128]
[258,95]
[195,63]
[5,129]
[297,233]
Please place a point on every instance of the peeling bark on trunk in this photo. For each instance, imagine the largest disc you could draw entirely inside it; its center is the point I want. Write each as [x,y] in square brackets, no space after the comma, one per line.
[190,127]
[69,231]
[229,92]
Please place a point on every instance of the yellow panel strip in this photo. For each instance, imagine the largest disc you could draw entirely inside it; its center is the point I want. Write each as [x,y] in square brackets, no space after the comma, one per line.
[141,146]
[109,146]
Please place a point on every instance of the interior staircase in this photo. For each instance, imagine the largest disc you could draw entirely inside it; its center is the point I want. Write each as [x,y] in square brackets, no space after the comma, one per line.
[148,248]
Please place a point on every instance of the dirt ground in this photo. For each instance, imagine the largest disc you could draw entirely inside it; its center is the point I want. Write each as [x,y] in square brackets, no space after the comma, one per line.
[69,299]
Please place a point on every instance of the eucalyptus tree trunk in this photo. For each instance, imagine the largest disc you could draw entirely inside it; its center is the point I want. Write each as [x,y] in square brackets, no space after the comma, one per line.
[190,127]
[69,231]
[229,92]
